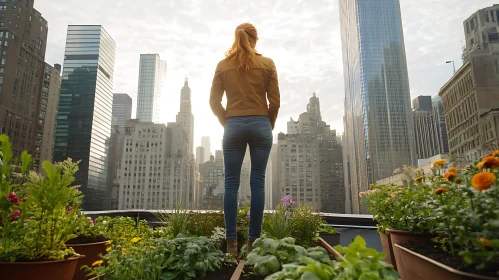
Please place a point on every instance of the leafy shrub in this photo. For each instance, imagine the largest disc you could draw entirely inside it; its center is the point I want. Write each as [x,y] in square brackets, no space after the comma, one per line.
[203,224]
[123,229]
[176,222]
[361,263]
[269,255]
[325,229]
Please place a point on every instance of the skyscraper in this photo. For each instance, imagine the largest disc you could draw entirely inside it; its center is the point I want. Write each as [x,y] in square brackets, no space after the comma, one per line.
[23,39]
[85,109]
[205,143]
[50,99]
[185,118]
[122,109]
[379,130]
[152,71]
[200,155]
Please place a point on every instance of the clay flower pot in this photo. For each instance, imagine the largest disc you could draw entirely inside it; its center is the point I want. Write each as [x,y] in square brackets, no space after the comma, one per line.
[47,270]
[91,252]
[417,267]
[398,236]
[386,243]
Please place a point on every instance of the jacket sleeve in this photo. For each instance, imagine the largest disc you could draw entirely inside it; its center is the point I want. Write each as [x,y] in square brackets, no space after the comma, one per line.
[217,92]
[273,94]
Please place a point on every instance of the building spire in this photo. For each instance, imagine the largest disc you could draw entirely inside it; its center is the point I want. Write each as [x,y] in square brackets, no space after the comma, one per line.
[186,82]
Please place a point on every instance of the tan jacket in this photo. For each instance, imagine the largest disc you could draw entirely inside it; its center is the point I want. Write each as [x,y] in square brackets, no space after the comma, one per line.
[247,92]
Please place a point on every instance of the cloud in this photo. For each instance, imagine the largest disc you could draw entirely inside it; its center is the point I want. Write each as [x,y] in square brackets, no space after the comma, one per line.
[302,37]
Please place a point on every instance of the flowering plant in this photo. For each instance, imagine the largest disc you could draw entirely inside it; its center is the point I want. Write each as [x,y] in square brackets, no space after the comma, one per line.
[34,224]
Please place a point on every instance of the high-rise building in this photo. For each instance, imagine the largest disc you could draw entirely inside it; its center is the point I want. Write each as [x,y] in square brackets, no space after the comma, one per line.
[200,155]
[470,101]
[205,143]
[379,130]
[23,39]
[115,149]
[85,109]
[429,127]
[212,173]
[311,163]
[122,109]
[185,117]
[275,189]
[152,71]
[50,102]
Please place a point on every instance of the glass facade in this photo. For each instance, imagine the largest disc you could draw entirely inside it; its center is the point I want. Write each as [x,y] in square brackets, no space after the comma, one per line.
[378,123]
[152,71]
[85,106]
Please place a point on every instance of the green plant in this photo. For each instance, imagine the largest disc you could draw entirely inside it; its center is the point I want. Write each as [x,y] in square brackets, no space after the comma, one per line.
[203,224]
[360,263]
[306,225]
[325,229]
[122,229]
[36,226]
[176,222]
[269,255]
[218,237]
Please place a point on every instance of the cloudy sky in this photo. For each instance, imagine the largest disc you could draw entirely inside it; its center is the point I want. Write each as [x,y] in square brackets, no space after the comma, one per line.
[302,36]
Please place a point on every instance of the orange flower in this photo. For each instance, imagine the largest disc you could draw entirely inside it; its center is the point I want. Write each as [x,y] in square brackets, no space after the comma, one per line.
[449,175]
[489,162]
[485,242]
[483,180]
[439,162]
[495,153]
[441,190]
[453,170]
[480,165]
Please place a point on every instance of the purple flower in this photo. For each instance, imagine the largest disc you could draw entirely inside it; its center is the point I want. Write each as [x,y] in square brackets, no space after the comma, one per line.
[286,198]
[90,220]
[15,215]
[248,213]
[69,209]
[13,198]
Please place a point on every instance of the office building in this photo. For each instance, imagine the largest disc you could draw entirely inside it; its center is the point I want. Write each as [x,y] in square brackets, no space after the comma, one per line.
[48,111]
[429,127]
[152,72]
[379,134]
[311,162]
[23,39]
[471,106]
[85,109]
[212,173]
[115,149]
[185,117]
[205,143]
[200,153]
[122,109]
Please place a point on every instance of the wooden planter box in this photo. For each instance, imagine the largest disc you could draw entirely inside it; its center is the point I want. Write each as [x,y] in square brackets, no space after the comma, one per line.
[419,267]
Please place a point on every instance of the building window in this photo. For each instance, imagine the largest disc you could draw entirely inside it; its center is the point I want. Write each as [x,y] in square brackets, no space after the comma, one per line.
[3,61]
[2,70]
[5,44]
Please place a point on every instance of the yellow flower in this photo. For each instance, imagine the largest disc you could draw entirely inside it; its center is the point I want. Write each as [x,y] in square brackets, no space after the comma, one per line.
[483,180]
[453,170]
[109,249]
[109,242]
[439,162]
[96,263]
[124,250]
[135,239]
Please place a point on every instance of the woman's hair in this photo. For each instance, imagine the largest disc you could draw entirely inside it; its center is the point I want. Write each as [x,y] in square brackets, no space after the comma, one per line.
[243,48]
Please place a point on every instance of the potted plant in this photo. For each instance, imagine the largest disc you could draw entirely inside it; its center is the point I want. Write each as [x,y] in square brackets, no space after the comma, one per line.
[466,227]
[34,225]
[87,238]
[330,235]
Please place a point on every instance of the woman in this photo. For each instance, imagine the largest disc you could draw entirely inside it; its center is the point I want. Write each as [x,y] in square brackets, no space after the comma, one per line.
[248,79]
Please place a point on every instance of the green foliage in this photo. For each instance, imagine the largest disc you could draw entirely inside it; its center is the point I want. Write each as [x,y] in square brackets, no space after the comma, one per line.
[269,255]
[34,222]
[325,229]
[203,224]
[361,263]
[122,229]
[181,258]
[176,222]
[279,223]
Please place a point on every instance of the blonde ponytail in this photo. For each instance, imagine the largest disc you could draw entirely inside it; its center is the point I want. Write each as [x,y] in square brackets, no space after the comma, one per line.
[243,48]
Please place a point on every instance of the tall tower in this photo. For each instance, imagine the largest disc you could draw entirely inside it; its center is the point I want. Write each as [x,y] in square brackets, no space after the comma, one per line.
[205,143]
[85,109]
[314,108]
[152,71]
[23,33]
[378,121]
[185,117]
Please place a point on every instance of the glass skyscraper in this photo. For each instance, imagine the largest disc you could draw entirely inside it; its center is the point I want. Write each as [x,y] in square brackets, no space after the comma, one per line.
[378,124]
[152,71]
[85,106]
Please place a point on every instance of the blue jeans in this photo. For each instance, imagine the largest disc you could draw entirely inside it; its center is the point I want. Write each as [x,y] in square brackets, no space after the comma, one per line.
[255,131]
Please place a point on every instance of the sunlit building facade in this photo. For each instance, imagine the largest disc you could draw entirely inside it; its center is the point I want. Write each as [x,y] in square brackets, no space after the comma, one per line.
[378,124]
[152,71]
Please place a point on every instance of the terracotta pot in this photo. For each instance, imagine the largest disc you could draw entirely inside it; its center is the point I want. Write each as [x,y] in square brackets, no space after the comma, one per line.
[419,267]
[398,236]
[388,249]
[49,270]
[332,239]
[91,252]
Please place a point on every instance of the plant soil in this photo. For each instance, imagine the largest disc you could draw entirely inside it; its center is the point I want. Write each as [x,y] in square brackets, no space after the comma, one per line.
[456,262]
[86,240]
[224,273]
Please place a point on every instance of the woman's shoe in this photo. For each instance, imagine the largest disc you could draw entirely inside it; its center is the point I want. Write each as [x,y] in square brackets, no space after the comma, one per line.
[249,246]
[232,248]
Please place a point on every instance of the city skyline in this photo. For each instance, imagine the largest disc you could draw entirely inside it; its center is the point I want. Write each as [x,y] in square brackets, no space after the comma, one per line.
[316,64]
